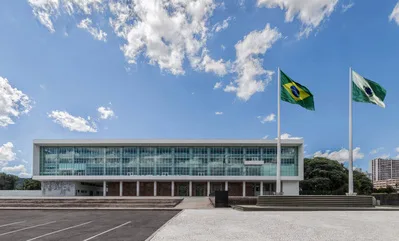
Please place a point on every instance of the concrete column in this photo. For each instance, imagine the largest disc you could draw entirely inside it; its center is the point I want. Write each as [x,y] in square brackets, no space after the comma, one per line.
[104,188]
[243,188]
[137,188]
[173,189]
[155,188]
[261,188]
[121,188]
[190,188]
[226,186]
[208,188]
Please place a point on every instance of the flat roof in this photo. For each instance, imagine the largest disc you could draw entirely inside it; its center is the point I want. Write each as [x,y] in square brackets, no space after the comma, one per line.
[162,142]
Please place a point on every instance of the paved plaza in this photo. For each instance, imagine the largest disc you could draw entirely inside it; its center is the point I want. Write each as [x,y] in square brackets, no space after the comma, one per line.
[80,225]
[197,225]
[228,224]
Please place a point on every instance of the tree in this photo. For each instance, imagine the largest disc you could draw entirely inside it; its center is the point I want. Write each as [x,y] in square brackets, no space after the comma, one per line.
[323,176]
[30,184]
[388,189]
[361,183]
[7,181]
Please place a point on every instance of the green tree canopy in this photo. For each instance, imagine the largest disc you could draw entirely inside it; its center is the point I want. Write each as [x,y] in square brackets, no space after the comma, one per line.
[30,184]
[323,176]
[7,181]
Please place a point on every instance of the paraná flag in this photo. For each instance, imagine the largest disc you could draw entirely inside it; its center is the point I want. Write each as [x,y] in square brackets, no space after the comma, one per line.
[364,90]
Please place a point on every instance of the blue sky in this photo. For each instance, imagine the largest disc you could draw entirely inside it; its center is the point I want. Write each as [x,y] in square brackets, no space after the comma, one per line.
[203,69]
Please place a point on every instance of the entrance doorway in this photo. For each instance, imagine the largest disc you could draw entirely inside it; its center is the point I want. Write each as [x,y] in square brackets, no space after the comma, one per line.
[199,189]
[216,186]
[146,188]
[257,189]
[181,189]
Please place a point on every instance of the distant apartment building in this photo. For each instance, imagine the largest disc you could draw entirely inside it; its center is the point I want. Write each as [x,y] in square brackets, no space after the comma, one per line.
[385,172]
[385,183]
[384,169]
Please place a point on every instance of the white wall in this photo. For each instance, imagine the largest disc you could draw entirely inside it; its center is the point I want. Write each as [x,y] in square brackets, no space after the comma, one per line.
[58,189]
[20,193]
[290,188]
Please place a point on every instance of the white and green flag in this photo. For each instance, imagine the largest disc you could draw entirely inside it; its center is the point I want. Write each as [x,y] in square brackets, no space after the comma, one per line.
[364,90]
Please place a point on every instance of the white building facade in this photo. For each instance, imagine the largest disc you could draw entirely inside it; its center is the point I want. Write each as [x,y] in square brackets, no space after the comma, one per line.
[165,167]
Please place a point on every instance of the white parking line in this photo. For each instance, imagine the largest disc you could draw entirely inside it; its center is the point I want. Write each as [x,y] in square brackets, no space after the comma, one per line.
[109,230]
[22,229]
[9,224]
[47,234]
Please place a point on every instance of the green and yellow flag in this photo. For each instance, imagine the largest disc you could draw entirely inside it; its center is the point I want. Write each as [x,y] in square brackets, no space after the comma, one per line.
[295,93]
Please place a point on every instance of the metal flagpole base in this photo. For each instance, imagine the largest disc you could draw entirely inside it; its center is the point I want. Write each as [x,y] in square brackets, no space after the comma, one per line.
[351,194]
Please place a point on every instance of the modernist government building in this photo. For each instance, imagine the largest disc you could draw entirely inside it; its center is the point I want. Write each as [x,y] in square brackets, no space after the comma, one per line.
[165,167]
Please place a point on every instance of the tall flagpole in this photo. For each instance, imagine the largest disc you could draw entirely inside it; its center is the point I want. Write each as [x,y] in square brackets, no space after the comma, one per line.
[350,184]
[278,181]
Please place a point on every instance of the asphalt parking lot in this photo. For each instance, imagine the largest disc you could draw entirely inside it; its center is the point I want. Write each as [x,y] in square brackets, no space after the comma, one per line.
[82,225]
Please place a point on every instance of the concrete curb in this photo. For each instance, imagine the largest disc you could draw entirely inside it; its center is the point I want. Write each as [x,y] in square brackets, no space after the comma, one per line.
[163,226]
[85,208]
[308,209]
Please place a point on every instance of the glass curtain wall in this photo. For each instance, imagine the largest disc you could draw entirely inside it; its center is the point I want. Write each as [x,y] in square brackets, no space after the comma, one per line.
[165,161]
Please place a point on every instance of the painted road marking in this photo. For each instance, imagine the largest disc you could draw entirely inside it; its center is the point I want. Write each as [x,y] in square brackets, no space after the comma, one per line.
[109,230]
[22,229]
[9,224]
[47,234]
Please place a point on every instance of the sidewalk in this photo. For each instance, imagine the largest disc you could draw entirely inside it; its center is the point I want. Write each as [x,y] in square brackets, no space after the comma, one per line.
[195,203]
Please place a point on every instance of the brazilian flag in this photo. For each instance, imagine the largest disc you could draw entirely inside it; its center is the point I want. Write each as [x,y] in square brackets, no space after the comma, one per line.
[295,93]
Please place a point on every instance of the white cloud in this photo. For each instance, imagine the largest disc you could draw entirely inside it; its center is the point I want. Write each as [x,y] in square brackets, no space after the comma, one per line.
[14,169]
[42,86]
[218,113]
[13,103]
[73,123]
[83,6]
[24,175]
[346,7]
[265,137]
[105,112]
[19,170]
[341,155]
[7,154]
[217,85]
[310,12]
[395,14]
[221,26]
[223,47]
[269,118]
[44,10]
[287,136]
[377,150]
[251,77]
[24,161]
[384,156]
[165,32]
[96,33]
[210,65]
